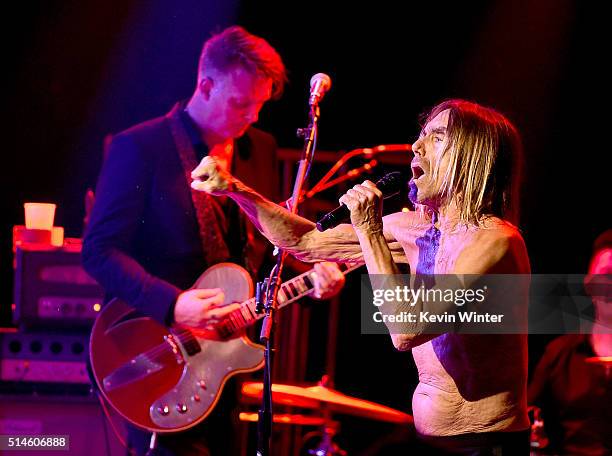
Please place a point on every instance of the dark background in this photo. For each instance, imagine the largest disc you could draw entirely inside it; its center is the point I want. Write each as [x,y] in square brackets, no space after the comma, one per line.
[75,71]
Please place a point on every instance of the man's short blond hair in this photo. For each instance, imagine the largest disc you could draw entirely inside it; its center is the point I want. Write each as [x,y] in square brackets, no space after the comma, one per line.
[235,47]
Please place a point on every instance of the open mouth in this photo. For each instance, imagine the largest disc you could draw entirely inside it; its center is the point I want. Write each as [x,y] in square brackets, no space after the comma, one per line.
[417,172]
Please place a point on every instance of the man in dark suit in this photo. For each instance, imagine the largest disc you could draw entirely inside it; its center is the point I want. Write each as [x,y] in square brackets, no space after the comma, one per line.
[150,236]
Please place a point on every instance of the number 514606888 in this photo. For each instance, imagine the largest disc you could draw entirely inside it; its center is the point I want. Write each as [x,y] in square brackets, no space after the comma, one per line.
[34,442]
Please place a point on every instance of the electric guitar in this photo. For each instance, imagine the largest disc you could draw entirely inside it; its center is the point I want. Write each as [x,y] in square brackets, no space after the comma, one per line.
[170,379]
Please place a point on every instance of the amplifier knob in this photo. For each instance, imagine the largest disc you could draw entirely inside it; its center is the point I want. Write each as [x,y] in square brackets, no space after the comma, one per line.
[36,346]
[56,347]
[15,346]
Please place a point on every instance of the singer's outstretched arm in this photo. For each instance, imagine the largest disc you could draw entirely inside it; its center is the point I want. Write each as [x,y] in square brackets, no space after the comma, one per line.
[288,231]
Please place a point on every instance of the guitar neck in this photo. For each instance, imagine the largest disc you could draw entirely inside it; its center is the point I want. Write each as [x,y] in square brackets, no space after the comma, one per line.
[290,291]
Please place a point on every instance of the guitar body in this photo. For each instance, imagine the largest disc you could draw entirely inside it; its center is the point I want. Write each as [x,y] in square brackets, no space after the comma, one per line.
[167,380]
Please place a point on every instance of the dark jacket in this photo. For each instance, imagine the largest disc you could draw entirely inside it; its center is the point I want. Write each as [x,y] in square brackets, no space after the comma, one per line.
[142,243]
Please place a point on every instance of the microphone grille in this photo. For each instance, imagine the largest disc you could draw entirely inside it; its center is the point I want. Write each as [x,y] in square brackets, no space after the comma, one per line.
[390,183]
[323,79]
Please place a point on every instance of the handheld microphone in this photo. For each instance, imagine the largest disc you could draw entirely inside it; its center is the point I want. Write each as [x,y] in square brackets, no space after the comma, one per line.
[389,185]
[320,84]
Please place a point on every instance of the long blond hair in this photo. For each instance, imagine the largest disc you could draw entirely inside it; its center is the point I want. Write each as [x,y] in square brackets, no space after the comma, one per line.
[485,162]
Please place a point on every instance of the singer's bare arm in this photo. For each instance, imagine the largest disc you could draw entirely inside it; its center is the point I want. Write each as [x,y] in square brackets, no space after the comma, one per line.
[288,231]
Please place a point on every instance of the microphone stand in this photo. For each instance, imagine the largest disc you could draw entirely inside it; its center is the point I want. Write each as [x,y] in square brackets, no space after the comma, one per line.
[267,291]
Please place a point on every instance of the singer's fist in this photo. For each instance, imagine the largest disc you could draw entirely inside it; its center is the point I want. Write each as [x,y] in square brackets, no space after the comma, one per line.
[365,203]
[210,178]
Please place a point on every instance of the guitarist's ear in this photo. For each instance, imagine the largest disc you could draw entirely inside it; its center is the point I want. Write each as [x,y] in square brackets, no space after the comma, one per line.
[205,87]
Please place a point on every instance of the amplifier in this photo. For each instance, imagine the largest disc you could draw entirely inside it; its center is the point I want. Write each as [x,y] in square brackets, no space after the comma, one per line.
[43,358]
[52,290]
[80,418]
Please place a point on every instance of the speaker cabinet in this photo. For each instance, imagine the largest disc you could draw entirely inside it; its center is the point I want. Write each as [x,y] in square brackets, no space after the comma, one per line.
[81,418]
[52,290]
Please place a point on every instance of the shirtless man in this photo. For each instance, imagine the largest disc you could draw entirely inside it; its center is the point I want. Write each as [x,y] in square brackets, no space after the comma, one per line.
[471,397]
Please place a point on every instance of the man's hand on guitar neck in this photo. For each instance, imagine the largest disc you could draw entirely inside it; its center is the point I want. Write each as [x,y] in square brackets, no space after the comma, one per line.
[328,281]
[201,308]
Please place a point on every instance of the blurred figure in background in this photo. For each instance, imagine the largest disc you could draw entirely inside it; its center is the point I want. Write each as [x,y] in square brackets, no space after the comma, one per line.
[571,383]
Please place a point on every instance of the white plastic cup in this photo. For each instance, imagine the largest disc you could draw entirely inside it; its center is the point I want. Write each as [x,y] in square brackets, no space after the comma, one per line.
[39,216]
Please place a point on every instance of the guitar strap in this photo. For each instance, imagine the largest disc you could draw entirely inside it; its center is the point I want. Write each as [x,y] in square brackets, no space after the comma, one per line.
[208,212]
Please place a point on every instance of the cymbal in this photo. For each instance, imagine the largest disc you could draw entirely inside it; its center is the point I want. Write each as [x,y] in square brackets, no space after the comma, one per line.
[318,397]
[303,420]
[605,360]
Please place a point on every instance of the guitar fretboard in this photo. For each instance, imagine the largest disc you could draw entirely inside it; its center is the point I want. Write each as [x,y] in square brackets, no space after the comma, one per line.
[290,291]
